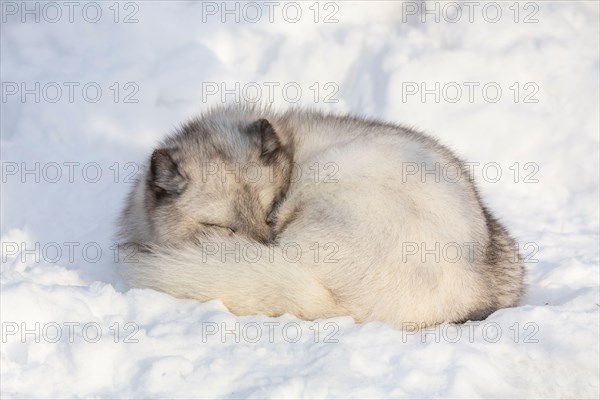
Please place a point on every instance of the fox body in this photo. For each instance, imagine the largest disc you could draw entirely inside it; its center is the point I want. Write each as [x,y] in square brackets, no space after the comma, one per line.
[317,215]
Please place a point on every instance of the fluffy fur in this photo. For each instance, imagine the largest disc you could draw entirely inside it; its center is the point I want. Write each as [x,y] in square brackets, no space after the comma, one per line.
[327,227]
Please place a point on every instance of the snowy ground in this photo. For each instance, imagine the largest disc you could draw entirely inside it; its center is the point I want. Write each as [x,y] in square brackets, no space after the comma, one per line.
[70,328]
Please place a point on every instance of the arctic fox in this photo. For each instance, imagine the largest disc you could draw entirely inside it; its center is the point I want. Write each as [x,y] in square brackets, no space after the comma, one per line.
[317,215]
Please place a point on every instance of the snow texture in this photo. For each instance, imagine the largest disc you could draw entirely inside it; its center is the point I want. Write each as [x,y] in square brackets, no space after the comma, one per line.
[71,328]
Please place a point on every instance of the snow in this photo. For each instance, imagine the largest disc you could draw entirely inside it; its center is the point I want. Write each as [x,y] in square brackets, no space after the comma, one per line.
[96,338]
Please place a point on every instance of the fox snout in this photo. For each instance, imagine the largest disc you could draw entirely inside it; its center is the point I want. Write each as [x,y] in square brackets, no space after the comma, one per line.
[262,233]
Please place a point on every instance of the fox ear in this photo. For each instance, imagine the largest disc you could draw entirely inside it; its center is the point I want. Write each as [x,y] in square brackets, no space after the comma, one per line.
[165,178]
[270,144]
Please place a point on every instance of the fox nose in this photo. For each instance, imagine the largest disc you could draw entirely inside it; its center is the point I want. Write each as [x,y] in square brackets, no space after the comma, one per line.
[251,221]
[262,233]
[253,228]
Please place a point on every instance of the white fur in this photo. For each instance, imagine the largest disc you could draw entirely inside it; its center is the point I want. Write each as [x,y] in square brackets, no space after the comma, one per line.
[366,215]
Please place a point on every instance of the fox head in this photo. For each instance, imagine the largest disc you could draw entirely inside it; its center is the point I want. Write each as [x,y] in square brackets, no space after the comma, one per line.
[213,177]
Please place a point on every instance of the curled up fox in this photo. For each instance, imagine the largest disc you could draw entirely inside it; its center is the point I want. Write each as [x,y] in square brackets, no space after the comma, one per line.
[316,215]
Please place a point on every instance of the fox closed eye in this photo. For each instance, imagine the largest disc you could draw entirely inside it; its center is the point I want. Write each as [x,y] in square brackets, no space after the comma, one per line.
[232,230]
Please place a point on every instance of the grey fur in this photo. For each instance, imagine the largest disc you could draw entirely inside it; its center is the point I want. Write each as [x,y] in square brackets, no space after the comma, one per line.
[177,204]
